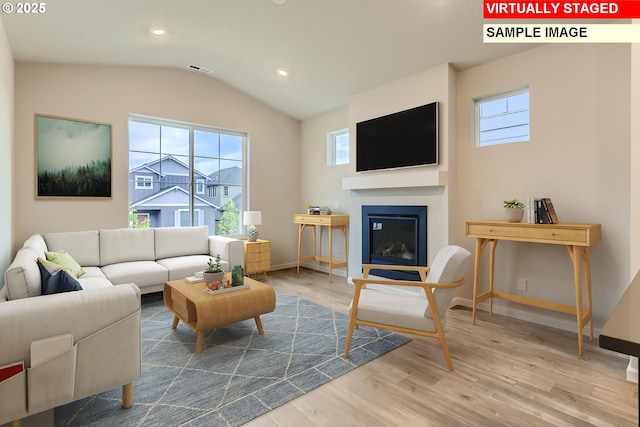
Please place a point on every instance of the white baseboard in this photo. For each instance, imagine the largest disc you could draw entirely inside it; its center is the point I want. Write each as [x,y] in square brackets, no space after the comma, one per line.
[632,370]
[517,311]
[320,266]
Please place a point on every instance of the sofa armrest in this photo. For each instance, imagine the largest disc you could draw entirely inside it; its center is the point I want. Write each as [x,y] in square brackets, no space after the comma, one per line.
[103,321]
[230,249]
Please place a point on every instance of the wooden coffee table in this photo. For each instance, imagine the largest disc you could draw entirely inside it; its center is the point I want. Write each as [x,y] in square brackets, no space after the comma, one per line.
[201,311]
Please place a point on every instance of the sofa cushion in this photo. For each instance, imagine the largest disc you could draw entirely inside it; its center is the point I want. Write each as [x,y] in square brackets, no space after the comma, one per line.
[65,260]
[37,243]
[181,241]
[184,266]
[83,246]
[56,279]
[126,244]
[94,282]
[22,278]
[142,273]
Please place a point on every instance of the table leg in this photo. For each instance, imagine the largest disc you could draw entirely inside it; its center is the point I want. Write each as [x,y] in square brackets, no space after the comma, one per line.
[492,264]
[175,322]
[314,247]
[346,255]
[330,254]
[199,342]
[259,325]
[300,228]
[587,280]
[576,259]
[476,276]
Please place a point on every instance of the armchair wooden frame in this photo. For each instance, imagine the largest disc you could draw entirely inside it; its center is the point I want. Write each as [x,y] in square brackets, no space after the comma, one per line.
[361,283]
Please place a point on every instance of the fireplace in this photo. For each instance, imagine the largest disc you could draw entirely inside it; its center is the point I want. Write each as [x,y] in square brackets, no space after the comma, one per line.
[394,235]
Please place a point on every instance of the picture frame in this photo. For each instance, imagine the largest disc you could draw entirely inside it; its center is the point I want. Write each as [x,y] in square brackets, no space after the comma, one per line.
[73,158]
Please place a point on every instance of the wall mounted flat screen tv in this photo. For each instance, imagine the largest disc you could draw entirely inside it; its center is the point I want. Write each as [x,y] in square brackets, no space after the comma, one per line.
[398,140]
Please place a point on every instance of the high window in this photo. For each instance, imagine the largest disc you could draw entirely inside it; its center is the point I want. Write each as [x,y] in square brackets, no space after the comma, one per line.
[503,118]
[338,147]
[174,170]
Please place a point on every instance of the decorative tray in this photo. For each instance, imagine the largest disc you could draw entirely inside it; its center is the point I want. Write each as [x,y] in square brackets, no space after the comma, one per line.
[223,290]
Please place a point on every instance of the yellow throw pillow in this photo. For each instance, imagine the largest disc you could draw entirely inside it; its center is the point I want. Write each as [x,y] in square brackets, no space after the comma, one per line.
[64,259]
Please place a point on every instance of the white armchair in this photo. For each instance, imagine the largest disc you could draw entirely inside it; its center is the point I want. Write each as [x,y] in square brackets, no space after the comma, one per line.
[419,314]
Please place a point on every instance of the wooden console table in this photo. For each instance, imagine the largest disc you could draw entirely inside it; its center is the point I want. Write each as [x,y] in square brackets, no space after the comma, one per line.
[576,237]
[338,222]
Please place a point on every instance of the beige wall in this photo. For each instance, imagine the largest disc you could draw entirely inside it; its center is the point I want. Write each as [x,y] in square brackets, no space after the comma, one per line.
[578,155]
[109,94]
[321,184]
[6,151]
[635,158]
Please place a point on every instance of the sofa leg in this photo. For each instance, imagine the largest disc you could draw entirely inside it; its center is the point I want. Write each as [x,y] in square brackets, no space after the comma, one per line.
[127,396]
[16,423]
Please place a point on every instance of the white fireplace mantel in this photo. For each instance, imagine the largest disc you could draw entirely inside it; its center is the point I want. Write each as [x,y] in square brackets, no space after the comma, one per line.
[410,178]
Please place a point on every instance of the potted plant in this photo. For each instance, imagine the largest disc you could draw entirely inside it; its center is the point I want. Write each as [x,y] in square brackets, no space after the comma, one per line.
[514,210]
[214,270]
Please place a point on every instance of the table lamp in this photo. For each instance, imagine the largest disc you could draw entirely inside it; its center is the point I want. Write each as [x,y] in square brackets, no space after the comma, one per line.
[252,218]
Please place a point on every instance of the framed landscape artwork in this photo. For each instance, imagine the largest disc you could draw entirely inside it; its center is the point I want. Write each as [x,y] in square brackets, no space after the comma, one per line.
[73,158]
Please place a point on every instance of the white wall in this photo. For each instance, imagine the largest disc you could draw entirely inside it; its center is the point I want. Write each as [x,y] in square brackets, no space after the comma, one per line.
[108,94]
[578,155]
[6,151]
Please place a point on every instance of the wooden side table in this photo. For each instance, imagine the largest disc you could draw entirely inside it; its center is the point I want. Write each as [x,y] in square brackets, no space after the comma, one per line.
[257,257]
[332,222]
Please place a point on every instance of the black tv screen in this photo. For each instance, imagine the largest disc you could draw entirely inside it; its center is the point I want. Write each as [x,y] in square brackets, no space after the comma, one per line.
[403,139]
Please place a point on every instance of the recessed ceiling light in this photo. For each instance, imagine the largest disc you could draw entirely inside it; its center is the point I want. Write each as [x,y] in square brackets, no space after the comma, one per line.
[158,32]
[282,72]
[279,1]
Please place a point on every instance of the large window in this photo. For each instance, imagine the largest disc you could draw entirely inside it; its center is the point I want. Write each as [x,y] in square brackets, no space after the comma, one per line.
[175,170]
[503,118]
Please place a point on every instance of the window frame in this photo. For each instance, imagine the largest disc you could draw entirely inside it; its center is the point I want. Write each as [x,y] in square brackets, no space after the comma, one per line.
[144,179]
[497,96]
[332,141]
[193,184]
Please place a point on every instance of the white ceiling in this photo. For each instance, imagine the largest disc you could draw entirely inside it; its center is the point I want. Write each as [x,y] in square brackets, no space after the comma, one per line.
[331,48]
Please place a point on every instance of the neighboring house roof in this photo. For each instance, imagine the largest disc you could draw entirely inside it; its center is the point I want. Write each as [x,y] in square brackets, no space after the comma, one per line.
[145,169]
[228,176]
[172,196]
[164,164]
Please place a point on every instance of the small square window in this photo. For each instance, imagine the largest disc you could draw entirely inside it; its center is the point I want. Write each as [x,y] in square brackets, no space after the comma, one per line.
[338,147]
[144,182]
[501,119]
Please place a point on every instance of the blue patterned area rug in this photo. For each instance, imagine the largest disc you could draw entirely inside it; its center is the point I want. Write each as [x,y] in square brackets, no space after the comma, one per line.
[239,375]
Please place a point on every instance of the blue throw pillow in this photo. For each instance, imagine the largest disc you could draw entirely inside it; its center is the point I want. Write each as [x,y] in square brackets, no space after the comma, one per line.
[58,281]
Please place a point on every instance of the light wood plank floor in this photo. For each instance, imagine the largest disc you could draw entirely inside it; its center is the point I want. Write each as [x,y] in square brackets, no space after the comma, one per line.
[507,373]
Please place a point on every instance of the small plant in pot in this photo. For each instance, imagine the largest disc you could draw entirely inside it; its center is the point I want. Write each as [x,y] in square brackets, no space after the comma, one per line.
[214,270]
[514,210]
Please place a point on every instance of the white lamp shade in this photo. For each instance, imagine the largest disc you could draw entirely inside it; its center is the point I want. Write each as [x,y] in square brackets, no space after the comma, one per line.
[252,218]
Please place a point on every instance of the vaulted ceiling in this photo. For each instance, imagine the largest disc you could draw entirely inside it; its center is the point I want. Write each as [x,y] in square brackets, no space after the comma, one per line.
[331,49]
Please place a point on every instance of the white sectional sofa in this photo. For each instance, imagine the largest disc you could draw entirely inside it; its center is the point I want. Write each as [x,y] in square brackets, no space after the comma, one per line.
[103,318]
[147,257]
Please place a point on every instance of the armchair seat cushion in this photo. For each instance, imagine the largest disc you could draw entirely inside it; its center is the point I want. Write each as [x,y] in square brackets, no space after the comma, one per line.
[404,311]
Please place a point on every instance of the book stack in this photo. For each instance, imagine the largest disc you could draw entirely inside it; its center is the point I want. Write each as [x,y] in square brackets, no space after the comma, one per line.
[541,211]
